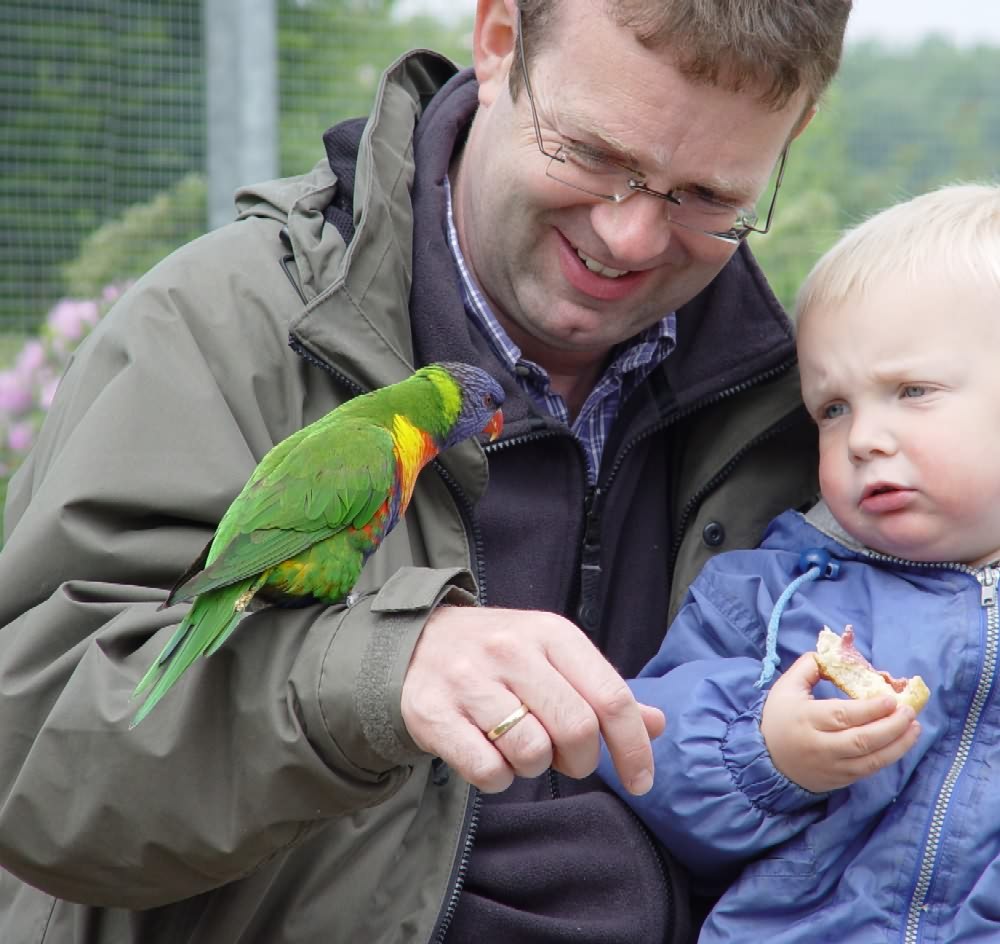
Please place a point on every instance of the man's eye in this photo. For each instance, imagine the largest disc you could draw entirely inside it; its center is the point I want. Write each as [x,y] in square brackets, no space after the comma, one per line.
[591,160]
[703,202]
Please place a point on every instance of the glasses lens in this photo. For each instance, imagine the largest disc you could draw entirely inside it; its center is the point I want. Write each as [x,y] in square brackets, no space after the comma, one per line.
[710,216]
[586,171]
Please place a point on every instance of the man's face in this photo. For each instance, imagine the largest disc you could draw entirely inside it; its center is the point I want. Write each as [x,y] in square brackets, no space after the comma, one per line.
[903,385]
[528,237]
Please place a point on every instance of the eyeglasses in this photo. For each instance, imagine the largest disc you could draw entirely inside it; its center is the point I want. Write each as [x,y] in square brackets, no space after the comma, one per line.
[587,170]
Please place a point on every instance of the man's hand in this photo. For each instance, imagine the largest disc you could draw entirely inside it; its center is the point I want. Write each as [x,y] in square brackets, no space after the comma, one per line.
[473,666]
[825,744]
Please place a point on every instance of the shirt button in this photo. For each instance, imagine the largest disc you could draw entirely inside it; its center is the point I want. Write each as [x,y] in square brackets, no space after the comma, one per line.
[713,534]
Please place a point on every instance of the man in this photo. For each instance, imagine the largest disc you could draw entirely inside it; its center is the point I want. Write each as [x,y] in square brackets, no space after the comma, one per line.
[571,217]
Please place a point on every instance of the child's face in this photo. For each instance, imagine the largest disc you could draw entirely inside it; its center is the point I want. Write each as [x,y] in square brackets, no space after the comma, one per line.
[905,386]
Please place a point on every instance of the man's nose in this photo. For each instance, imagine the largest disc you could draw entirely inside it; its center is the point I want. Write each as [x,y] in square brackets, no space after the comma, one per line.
[636,231]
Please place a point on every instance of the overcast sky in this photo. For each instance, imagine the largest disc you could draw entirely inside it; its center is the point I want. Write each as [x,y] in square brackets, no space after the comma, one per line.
[893,21]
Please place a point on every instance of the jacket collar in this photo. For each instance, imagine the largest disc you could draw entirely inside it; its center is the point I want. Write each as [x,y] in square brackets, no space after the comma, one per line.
[821,518]
[369,275]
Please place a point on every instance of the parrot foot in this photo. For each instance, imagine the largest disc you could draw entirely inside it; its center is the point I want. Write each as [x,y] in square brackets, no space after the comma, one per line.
[243,600]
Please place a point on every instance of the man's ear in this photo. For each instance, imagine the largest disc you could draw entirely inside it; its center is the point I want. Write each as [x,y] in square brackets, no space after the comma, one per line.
[493,39]
[807,116]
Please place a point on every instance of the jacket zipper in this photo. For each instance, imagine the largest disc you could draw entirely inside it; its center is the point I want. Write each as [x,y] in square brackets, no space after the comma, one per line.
[299,348]
[594,508]
[460,868]
[987,577]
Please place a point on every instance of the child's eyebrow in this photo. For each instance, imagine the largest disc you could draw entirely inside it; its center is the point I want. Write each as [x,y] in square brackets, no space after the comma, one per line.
[894,370]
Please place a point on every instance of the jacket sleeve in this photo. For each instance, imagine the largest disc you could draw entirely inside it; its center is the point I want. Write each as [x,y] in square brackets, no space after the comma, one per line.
[717,800]
[155,428]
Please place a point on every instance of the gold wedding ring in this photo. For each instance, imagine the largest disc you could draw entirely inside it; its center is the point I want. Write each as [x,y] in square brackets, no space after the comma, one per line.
[522,711]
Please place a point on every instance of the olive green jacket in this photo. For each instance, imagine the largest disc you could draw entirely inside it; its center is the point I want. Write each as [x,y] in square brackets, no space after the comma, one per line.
[274,795]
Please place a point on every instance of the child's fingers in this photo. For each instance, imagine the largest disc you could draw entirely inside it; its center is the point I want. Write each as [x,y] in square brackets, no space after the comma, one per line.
[888,753]
[844,714]
[869,739]
[864,728]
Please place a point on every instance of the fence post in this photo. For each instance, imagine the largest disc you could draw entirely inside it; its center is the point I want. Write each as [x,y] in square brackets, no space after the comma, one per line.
[241,107]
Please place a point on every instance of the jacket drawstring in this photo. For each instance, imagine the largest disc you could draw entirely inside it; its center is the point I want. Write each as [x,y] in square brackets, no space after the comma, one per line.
[817,564]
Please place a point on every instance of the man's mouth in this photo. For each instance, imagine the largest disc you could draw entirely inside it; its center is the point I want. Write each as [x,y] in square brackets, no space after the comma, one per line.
[599,268]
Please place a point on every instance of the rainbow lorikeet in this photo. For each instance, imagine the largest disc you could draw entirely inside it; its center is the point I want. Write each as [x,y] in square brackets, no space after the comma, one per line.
[319,504]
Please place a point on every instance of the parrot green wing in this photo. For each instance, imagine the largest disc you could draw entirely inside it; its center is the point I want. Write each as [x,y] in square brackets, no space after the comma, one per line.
[331,476]
[246,556]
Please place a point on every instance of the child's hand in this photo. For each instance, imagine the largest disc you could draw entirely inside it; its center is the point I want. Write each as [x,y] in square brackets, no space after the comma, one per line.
[825,744]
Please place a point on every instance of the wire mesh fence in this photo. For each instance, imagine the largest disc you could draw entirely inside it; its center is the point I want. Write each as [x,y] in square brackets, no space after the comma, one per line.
[105,131]
[103,138]
[102,109]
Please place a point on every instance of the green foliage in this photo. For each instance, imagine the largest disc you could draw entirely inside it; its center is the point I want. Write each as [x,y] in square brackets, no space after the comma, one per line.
[107,111]
[896,123]
[331,56]
[124,248]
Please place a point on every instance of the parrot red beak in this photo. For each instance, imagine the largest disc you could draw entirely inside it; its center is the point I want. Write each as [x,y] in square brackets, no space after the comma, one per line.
[495,426]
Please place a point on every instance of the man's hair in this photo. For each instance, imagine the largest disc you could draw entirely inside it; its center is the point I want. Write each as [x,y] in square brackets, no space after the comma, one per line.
[773,47]
[954,230]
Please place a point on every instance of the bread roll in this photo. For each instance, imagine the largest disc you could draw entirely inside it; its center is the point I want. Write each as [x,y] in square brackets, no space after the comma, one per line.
[854,675]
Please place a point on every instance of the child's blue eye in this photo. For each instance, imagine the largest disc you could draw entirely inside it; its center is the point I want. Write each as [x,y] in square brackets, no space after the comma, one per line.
[832,410]
[914,390]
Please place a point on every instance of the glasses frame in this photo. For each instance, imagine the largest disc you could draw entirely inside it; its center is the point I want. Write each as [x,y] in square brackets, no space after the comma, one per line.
[636,182]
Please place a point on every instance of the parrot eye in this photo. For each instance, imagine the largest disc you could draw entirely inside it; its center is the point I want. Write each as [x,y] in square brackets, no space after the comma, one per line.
[488,400]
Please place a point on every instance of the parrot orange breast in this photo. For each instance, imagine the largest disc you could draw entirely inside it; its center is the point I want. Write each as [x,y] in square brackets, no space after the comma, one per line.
[414,449]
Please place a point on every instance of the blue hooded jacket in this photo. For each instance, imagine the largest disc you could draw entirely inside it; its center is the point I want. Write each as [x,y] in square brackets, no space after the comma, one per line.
[911,853]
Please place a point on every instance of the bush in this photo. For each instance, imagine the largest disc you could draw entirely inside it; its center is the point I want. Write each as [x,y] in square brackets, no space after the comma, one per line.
[27,387]
[145,233]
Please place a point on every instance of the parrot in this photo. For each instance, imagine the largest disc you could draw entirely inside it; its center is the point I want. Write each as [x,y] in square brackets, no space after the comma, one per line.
[318,505]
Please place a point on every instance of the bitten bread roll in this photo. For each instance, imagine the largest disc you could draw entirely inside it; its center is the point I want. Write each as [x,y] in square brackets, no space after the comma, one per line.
[853,674]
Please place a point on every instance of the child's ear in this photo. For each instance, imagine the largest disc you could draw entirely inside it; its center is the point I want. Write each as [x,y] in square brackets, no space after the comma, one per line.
[493,41]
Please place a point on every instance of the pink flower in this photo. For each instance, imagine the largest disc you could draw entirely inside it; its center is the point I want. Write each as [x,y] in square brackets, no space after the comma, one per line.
[111,293]
[15,393]
[70,320]
[21,435]
[31,359]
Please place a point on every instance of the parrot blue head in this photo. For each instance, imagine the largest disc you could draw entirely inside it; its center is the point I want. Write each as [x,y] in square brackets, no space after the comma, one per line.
[481,399]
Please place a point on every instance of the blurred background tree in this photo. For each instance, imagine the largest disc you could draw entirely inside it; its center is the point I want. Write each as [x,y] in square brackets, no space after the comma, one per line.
[896,122]
[103,137]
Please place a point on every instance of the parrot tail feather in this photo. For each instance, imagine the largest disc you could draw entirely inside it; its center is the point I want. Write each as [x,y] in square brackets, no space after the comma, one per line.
[207,625]
[242,601]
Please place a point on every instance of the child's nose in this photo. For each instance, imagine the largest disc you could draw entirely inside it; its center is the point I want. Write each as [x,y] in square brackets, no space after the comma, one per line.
[870,436]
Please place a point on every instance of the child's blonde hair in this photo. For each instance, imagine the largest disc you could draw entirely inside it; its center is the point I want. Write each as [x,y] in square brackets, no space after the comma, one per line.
[955,229]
